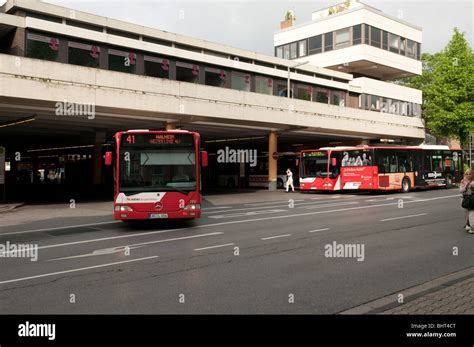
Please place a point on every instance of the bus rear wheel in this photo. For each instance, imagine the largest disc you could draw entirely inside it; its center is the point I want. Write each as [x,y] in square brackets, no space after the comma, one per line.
[405,185]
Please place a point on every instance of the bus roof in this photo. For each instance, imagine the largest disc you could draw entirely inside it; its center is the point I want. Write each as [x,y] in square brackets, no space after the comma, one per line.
[348,148]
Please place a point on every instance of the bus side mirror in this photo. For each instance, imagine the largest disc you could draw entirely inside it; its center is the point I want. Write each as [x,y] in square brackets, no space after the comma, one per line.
[204,159]
[333,161]
[108,158]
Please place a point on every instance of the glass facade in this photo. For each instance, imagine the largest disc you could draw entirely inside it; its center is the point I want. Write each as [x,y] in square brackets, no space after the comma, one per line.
[42,47]
[355,35]
[157,67]
[240,81]
[187,72]
[263,85]
[215,77]
[83,54]
[122,61]
[390,106]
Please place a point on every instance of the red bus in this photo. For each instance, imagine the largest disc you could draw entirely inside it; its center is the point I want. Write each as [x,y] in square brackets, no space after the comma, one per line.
[379,168]
[157,174]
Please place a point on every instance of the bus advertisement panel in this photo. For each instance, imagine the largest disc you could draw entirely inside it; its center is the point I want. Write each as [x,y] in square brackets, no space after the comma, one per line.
[380,168]
[157,175]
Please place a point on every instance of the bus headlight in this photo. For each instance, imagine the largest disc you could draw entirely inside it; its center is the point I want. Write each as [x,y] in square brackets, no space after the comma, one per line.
[123,208]
[192,207]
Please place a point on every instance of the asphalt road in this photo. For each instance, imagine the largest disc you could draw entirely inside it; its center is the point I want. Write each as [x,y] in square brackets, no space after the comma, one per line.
[279,265]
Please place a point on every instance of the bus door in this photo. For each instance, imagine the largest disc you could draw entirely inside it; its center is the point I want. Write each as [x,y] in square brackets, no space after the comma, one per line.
[417,162]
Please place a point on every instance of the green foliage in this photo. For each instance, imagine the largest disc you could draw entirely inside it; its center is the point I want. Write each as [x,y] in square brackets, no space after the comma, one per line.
[447,83]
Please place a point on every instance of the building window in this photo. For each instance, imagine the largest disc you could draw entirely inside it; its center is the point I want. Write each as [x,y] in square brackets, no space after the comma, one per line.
[411,49]
[322,95]
[214,77]
[304,92]
[83,54]
[328,42]
[122,61]
[157,67]
[366,34]
[403,42]
[42,47]
[302,51]
[393,43]
[187,72]
[240,81]
[263,85]
[385,41]
[314,44]
[342,38]
[418,51]
[374,103]
[375,37]
[356,34]
[279,52]
[286,51]
[293,52]
[338,98]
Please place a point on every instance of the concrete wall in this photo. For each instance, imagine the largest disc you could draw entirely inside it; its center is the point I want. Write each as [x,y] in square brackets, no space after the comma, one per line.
[42,80]
[366,85]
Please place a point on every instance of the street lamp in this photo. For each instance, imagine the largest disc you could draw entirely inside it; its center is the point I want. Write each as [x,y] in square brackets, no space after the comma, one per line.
[292,67]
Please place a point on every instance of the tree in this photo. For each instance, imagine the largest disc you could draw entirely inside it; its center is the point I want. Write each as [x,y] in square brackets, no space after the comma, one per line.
[447,83]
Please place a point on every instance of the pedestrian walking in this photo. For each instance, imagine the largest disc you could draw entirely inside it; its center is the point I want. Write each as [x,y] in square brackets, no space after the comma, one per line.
[289,180]
[467,190]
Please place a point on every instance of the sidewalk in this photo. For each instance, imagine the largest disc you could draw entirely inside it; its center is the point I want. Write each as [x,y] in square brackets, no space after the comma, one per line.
[450,294]
[10,207]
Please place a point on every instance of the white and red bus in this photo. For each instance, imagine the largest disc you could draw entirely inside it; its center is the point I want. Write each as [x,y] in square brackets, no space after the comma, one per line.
[157,174]
[379,168]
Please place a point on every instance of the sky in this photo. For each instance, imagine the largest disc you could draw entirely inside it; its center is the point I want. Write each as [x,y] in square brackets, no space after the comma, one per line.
[251,24]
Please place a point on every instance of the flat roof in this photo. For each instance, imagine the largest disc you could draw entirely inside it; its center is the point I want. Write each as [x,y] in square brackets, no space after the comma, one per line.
[351,10]
[95,20]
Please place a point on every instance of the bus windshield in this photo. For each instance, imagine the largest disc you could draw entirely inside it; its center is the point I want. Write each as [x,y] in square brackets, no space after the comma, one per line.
[314,164]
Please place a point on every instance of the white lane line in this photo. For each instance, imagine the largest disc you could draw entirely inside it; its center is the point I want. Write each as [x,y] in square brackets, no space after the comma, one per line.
[269,203]
[330,205]
[104,251]
[411,216]
[249,221]
[243,214]
[320,212]
[215,208]
[296,205]
[210,247]
[58,228]
[315,231]
[274,237]
[76,270]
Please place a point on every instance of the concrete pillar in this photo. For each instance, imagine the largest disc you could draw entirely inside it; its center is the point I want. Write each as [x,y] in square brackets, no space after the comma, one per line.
[272,163]
[170,126]
[97,158]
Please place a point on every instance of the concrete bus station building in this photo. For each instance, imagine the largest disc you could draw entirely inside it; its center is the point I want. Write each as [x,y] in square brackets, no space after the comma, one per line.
[69,80]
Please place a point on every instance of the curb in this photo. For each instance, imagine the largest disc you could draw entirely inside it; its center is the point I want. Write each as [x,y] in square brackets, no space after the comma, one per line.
[12,207]
[411,293]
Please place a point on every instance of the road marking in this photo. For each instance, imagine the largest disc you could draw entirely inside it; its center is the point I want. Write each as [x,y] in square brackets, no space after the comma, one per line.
[247,221]
[118,237]
[210,247]
[58,228]
[315,231]
[413,215]
[269,203]
[253,213]
[76,270]
[274,237]
[331,205]
[320,212]
[97,252]
[215,208]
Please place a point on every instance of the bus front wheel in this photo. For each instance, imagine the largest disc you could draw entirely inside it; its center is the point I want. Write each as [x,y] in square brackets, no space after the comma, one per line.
[405,185]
